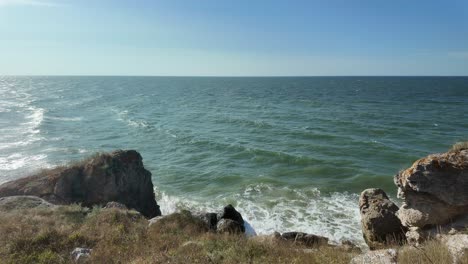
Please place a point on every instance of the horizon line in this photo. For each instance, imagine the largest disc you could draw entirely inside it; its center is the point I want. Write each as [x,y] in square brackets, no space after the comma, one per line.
[218,76]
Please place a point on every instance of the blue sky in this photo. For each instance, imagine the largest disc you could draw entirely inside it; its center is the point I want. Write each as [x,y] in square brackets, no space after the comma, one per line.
[233,38]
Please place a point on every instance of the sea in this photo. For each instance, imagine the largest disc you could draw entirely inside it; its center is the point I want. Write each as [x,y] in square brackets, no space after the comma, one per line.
[290,153]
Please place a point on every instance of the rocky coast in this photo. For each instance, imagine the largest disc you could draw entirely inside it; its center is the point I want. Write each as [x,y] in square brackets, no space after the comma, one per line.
[103,210]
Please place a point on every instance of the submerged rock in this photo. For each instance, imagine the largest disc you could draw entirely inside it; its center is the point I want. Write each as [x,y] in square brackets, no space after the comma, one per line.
[380,225]
[435,191]
[117,176]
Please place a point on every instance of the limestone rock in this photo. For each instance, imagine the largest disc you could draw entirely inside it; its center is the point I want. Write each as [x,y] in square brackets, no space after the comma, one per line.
[117,176]
[434,189]
[115,205]
[457,245]
[23,202]
[81,255]
[380,225]
[383,256]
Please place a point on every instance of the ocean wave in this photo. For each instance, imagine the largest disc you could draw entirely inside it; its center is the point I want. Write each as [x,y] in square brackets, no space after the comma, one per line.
[268,209]
[124,117]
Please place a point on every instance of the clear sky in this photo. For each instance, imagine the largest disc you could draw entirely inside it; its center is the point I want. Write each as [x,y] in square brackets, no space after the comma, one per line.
[233,37]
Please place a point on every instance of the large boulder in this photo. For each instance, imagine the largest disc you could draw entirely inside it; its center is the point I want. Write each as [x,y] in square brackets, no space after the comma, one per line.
[230,213]
[118,176]
[383,256]
[434,190]
[380,225]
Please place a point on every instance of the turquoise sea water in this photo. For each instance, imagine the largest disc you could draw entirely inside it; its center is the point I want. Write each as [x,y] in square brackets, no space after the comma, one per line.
[292,154]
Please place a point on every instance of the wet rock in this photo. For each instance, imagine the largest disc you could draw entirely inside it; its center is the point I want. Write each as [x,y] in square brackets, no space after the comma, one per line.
[23,202]
[229,226]
[380,226]
[118,176]
[383,256]
[81,255]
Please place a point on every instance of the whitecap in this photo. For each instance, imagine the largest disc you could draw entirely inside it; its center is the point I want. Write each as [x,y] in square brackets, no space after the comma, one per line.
[268,209]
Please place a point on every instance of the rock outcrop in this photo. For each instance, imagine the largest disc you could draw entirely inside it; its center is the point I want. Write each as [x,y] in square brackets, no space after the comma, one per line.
[305,239]
[23,202]
[380,225]
[383,256]
[435,191]
[118,176]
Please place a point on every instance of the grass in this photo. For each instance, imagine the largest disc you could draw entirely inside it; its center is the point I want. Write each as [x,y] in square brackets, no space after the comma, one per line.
[432,252]
[459,146]
[117,236]
[45,235]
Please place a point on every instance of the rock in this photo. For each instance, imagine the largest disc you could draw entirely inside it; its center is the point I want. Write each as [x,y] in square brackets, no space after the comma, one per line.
[349,246]
[457,245]
[434,189]
[383,256]
[210,219]
[380,225]
[81,255]
[23,202]
[308,240]
[115,205]
[229,212]
[117,176]
[229,226]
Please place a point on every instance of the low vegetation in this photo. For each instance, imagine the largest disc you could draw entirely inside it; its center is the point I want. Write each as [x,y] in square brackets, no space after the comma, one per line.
[459,146]
[119,236]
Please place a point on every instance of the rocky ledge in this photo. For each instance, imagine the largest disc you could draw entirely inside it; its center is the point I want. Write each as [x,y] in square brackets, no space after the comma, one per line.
[117,176]
[434,191]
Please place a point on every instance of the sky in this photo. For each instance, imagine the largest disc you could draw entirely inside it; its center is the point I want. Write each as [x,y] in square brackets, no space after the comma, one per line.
[234,38]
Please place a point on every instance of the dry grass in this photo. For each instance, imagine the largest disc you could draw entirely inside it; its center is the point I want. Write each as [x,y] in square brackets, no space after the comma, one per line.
[48,236]
[431,252]
[117,236]
[459,146]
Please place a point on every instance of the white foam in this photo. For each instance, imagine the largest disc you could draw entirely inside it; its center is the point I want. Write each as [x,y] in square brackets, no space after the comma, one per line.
[123,116]
[66,119]
[16,161]
[269,209]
